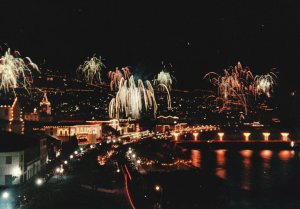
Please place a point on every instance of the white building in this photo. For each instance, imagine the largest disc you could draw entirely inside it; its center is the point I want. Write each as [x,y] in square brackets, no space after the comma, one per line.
[21,157]
[88,132]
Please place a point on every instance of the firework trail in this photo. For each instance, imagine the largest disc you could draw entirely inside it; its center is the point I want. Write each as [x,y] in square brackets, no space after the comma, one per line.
[132,98]
[116,76]
[15,72]
[237,85]
[163,81]
[91,69]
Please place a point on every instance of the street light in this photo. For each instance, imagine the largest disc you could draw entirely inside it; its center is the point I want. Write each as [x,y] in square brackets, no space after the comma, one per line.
[221,134]
[39,181]
[16,172]
[5,195]
[65,162]
[71,156]
[247,134]
[195,136]
[76,152]
[284,136]
[266,136]
[158,188]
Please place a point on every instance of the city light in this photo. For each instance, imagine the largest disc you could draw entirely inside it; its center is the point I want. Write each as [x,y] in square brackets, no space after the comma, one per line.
[284,136]
[39,181]
[292,143]
[65,162]
[247,134]
[118,170]
[221,134]
[266,136]
[175,134]
[158,188]
[16,172]
[76,152]
[195,136]
[71,156]
[5,195]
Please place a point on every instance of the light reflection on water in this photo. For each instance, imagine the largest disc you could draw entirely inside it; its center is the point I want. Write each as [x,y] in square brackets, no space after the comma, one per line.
[196,158]
[221,160]
[248,169]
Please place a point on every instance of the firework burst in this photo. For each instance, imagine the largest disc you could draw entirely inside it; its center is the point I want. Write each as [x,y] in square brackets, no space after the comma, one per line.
[91,69]
[116,76]
[165,78]
[132,98]
[237,85]
[264,84]
[15,72]
[163,81]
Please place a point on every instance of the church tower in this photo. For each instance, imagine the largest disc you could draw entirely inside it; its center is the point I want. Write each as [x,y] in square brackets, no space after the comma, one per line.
[45,105]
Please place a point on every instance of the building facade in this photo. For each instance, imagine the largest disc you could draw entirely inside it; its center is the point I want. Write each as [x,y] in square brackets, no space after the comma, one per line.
[21,157]
[86,133]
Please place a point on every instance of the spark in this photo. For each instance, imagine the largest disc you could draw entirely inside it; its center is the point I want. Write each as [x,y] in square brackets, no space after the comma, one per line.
[116,76]
[264,84]
[237,85]
[15,72]
[91,69]
[163,81]
[165,78]
[131,98]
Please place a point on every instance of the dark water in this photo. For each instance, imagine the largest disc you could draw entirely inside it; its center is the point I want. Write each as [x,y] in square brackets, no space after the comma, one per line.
[270,178]
[249,169]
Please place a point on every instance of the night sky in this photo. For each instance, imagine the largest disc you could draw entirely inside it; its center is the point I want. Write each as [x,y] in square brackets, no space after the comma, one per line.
[194,37]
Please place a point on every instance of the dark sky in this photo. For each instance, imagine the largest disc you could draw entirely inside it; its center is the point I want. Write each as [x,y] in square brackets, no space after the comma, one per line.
[195,37]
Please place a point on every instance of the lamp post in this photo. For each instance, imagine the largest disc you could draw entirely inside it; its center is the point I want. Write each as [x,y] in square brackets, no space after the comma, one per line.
[176,136]
[195,136]
[39,181]
[284,136]
[5,195]
[247,134]
[221,134]
[266,136]
[159,189]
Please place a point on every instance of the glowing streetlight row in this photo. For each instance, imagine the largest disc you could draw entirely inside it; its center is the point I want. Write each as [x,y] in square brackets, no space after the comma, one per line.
[265,134]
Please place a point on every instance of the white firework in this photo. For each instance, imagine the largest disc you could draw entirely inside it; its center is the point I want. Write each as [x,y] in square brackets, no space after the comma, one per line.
[91,69]
[15,72]
[131,99]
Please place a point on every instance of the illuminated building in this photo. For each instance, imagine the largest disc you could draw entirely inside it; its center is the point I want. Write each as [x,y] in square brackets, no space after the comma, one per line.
[21,157]
[85,133]
[45,105]
[41,114]
[11,115]
[169,123]
[10,110]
